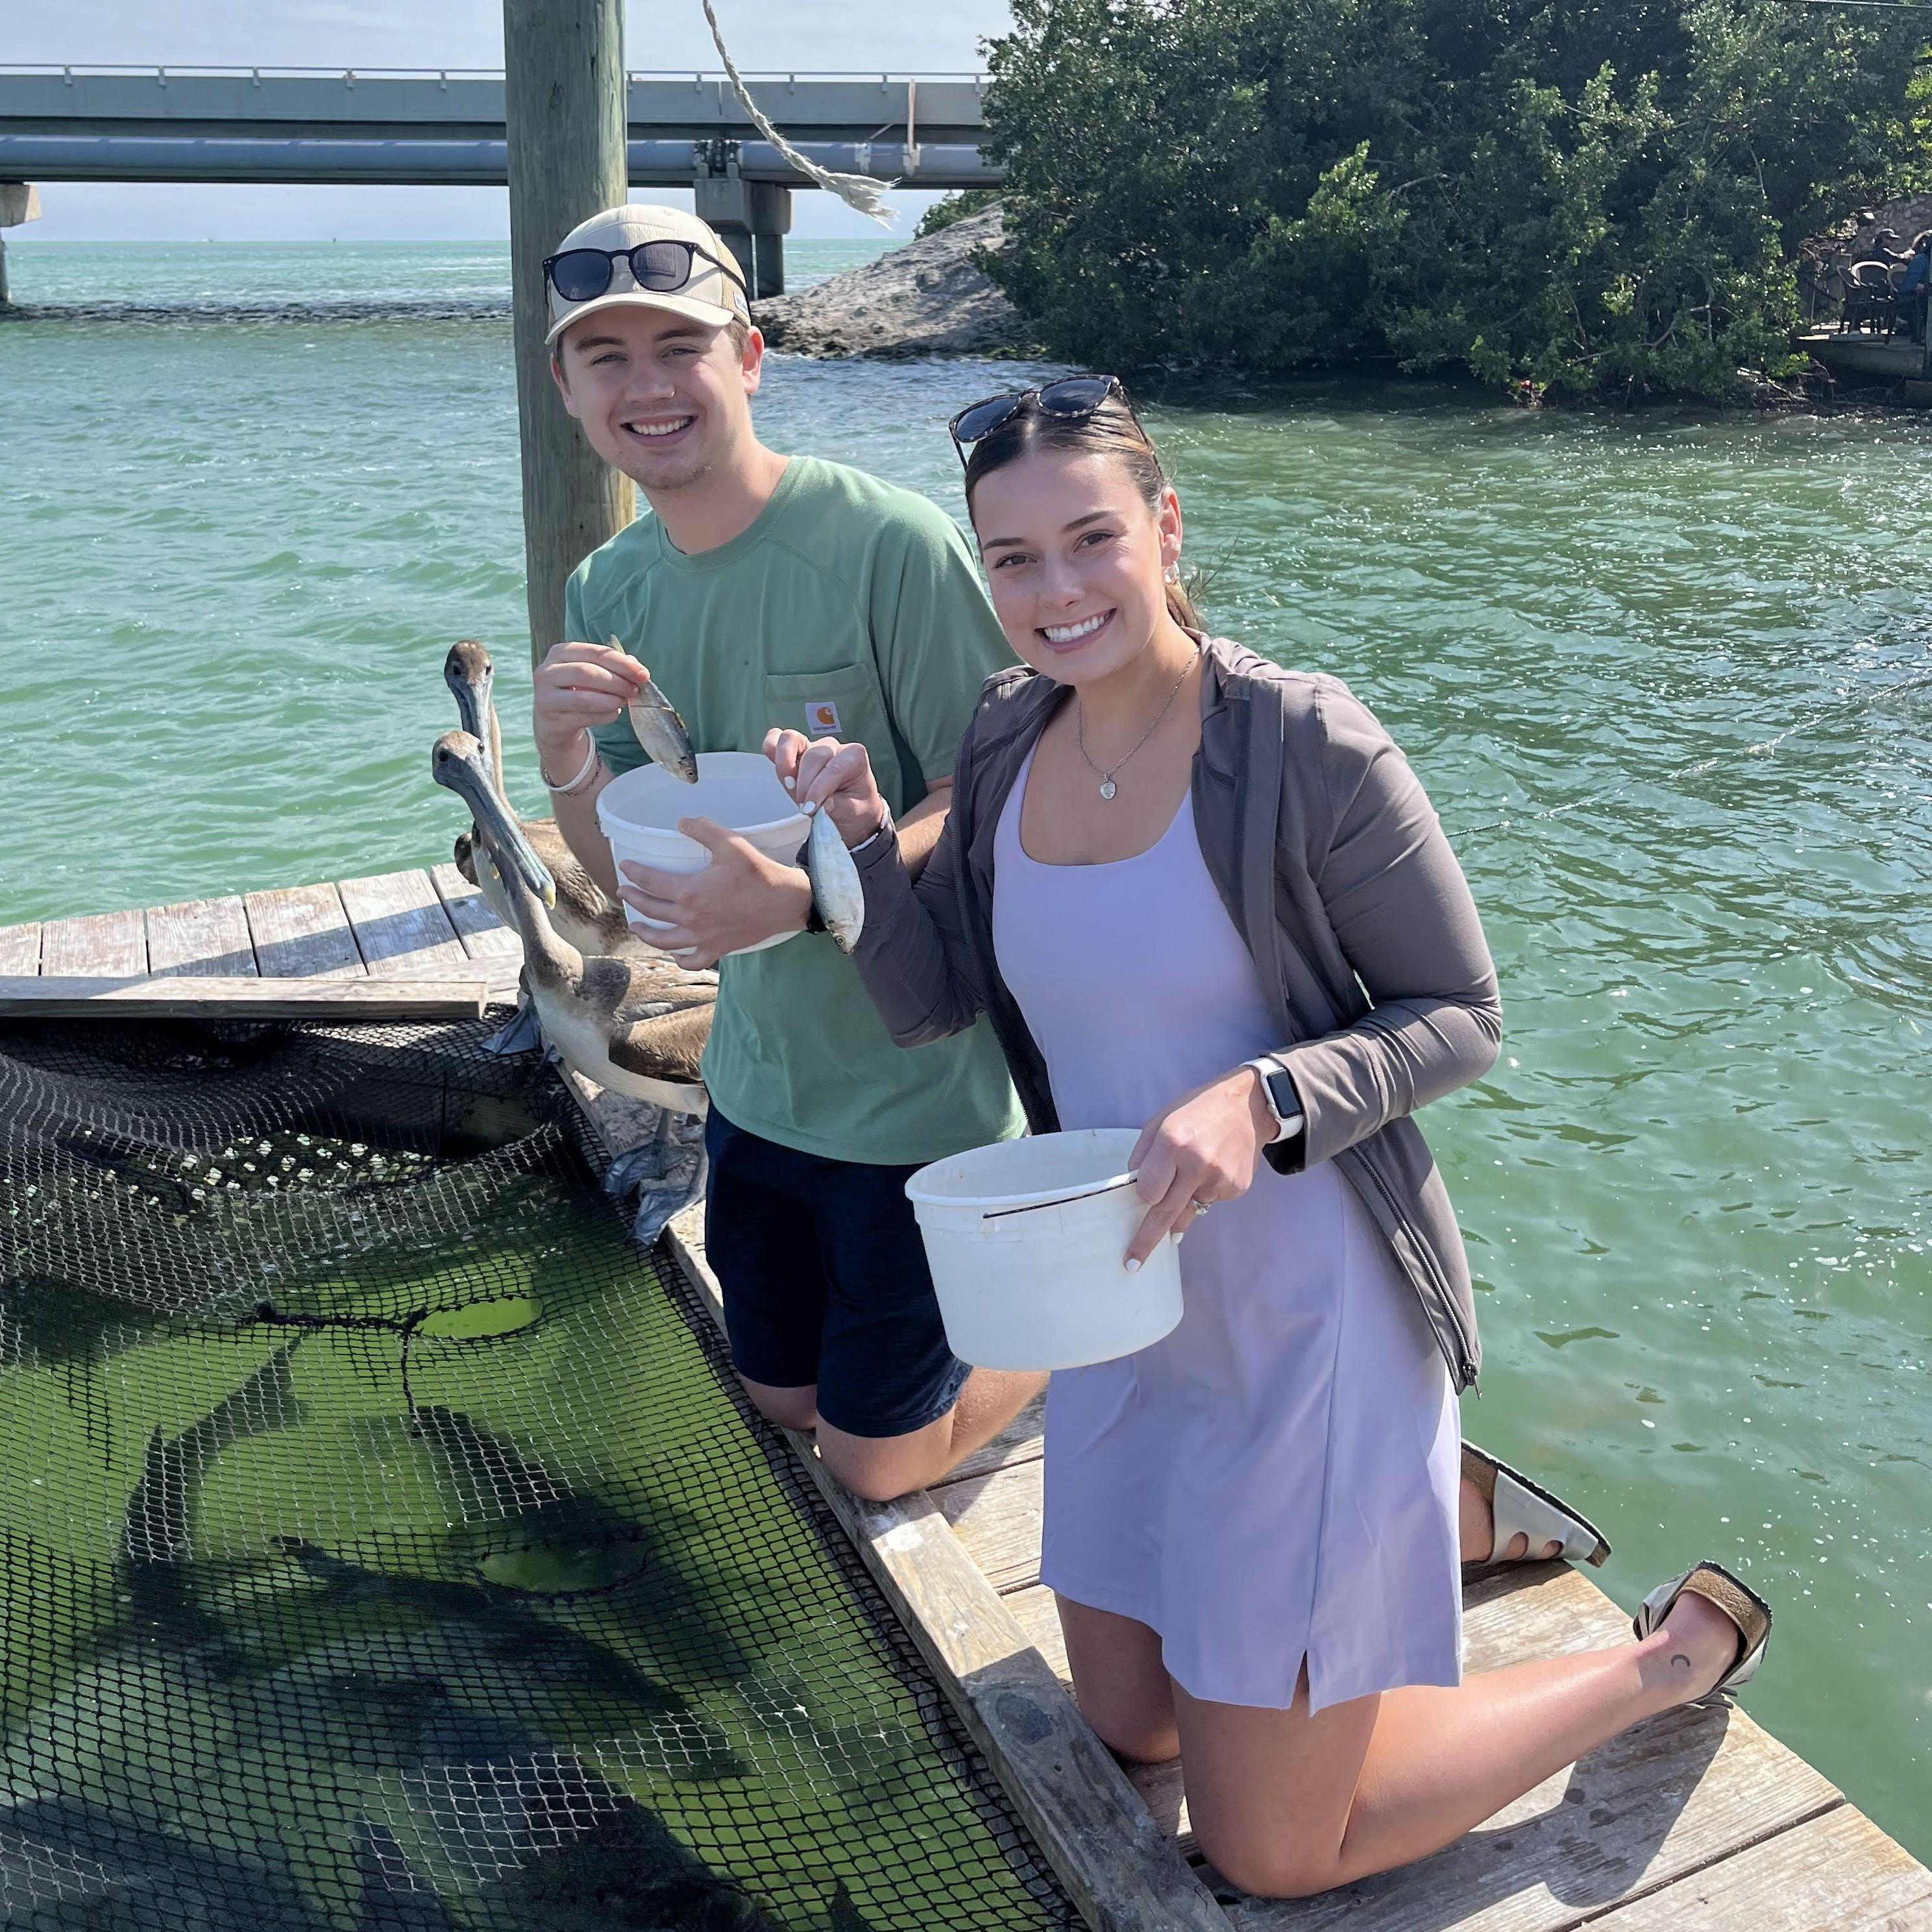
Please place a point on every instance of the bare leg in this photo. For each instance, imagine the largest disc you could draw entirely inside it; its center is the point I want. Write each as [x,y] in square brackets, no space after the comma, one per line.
[1288,1805]
[789,1407]
[882,1467]
[1478,1524]
[1121,1685]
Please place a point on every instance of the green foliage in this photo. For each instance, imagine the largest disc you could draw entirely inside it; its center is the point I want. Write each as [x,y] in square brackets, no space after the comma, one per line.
[1565,194]
[955,207]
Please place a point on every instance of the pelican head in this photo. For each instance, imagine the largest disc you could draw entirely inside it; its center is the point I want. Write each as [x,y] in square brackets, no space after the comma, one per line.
[458,763]
[469,673]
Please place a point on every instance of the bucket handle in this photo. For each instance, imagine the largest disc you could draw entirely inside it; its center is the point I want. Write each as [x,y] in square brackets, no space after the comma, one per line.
[1060,1200]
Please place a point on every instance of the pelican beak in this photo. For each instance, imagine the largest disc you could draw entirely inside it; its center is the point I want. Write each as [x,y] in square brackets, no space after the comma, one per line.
[459,763]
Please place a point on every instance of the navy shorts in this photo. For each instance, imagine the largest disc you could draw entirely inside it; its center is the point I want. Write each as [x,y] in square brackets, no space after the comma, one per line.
[824,1280]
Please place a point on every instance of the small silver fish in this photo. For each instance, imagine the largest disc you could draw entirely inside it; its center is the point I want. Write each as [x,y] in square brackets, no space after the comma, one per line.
[836,889]
[661,731]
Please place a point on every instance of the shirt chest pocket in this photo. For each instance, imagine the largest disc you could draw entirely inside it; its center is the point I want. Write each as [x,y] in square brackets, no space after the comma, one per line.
[846,703]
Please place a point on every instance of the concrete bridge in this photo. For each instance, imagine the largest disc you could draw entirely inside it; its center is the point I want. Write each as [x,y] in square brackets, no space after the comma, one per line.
[302,124]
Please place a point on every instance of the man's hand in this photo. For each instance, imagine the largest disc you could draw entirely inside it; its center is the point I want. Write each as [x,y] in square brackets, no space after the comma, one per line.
[577,686]
[741,897]
[1204,1149]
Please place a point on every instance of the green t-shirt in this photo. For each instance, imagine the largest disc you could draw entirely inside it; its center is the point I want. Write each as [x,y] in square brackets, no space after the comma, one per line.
[853,609]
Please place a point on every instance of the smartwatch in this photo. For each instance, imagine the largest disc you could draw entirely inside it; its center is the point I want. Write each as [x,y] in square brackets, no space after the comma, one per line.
[1278,1089]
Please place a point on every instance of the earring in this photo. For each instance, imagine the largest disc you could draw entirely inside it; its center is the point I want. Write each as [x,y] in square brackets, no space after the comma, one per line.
[1171,575]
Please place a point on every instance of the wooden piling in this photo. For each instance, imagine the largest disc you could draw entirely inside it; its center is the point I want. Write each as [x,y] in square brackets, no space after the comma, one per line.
[564,111]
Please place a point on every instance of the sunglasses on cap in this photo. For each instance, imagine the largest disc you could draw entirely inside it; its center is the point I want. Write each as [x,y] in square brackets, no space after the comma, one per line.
[1072,396]
[583,275]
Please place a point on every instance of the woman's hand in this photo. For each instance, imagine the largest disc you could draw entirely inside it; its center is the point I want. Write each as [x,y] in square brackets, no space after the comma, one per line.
[822,771]
[1204,1149]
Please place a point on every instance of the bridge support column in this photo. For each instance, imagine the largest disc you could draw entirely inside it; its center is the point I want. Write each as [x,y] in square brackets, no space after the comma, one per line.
[20,201]
[563,112]
[752,218]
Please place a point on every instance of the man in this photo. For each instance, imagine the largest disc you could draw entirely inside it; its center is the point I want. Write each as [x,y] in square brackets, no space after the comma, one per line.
[1914,286]
[765,590]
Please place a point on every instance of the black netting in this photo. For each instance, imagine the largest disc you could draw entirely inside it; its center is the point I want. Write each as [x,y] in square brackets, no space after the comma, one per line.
[382,1544]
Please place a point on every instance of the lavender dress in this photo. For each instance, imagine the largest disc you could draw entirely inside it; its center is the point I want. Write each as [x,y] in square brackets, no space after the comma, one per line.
[1277,1478]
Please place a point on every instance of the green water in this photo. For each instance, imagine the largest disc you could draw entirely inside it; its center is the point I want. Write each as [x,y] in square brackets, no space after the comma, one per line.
[1668,680]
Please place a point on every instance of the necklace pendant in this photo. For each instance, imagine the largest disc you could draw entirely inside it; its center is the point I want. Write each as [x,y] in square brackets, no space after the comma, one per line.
[1106,787]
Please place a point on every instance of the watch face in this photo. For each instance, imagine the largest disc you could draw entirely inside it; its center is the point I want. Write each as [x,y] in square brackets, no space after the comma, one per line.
[1286,1102]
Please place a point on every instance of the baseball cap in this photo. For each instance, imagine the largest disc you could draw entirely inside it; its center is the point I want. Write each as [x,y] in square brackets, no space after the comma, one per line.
[713,294]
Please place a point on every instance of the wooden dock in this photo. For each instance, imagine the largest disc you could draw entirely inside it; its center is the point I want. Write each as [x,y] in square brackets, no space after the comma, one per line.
[1697,1821]
[1861,355]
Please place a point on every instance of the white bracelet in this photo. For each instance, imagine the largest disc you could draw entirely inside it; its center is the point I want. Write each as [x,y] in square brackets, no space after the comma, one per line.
[877,832]
[576,784]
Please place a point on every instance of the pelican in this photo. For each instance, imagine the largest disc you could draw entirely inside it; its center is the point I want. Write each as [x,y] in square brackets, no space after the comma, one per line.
[636,1027]
[584,916]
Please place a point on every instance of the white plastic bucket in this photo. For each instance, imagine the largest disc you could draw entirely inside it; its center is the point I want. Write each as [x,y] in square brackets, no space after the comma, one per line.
[1029,1261]
[638,813]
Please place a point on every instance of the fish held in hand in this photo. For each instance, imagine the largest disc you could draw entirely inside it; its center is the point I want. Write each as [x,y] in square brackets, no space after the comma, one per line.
[661,731]
[836,889]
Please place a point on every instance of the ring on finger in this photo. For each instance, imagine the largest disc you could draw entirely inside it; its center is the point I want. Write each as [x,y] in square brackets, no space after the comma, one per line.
[1200,1207]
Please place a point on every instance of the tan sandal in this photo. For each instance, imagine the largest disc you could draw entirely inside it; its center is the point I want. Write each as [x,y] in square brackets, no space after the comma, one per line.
[1737,1601]
[1520,1507]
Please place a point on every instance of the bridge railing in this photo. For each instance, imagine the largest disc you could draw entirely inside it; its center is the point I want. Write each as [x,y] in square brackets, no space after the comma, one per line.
[446,125]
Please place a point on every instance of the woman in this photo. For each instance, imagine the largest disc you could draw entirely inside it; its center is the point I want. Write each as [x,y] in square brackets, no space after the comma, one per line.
[1171,871]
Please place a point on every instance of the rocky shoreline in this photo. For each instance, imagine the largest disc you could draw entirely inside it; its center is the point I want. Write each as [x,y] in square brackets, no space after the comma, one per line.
[930,298]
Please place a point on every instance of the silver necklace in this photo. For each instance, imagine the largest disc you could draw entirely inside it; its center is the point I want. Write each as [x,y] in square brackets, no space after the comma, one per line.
[1108,788]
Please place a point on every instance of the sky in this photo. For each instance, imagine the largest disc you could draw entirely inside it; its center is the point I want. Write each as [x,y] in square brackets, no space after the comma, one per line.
[811,36]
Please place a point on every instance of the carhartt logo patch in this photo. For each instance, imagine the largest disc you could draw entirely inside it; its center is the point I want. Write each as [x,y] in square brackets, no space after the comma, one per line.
[821,720]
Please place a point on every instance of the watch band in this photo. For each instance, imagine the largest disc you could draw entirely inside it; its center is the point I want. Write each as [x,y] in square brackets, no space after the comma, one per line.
[885,824]
[1278,1091]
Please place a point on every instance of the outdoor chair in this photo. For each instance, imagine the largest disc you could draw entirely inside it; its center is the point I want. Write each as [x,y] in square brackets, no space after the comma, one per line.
[1869,302]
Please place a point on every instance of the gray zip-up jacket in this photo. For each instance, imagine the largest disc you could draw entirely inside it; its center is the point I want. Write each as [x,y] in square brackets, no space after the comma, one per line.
[1334,869]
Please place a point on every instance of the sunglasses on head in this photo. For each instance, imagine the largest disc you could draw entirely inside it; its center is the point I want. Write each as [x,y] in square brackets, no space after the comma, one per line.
[582,275]
[1072,396]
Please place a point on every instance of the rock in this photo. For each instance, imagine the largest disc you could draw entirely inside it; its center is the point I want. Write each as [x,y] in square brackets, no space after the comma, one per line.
[929,298]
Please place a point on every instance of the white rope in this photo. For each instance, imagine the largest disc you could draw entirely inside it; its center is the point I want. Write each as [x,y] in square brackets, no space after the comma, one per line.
[855,190]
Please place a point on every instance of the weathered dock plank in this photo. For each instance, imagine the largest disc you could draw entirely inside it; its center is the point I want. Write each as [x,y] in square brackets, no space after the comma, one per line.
[207,937]
[1838,1873]
[401,927]
[199,996]
[20,948]
[111,945]
[483,934]
[302,932]
[997,1517]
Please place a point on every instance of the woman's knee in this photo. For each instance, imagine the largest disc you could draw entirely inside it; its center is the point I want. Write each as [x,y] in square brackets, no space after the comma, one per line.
[1265,1865]
[1140,1737]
